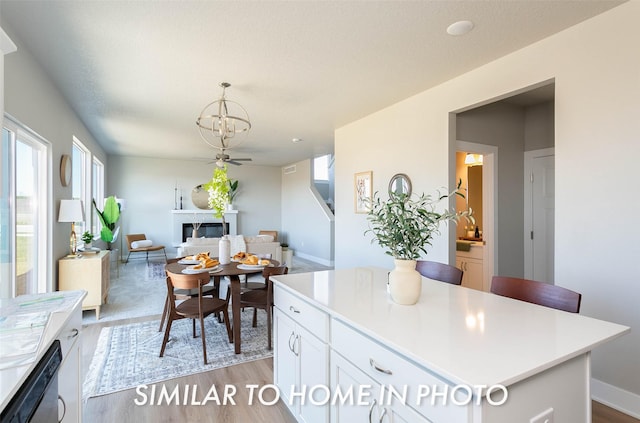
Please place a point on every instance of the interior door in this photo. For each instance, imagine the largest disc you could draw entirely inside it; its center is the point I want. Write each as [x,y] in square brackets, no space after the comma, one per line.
[539,215]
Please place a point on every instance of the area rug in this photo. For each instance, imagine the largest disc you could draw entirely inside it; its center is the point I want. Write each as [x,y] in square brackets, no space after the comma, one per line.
[155,271]
[128,355]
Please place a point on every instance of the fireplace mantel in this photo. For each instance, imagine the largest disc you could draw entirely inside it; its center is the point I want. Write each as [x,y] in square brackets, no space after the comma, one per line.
[187,216]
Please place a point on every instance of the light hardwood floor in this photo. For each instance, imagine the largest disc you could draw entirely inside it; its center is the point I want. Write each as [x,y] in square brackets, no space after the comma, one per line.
[120,406]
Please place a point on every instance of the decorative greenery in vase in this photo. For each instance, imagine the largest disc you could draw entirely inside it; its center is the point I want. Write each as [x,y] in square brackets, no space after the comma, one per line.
[87,238]
[108,217]
[218,189]
[405,225]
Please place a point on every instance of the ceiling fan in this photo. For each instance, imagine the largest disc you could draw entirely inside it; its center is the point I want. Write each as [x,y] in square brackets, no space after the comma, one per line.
[222,158]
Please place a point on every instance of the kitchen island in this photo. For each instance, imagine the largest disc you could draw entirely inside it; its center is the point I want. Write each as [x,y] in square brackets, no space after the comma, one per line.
[459,355]
[29,324]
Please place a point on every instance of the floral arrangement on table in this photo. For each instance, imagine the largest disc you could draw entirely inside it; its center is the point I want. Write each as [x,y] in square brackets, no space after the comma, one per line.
[87,238]
[218,189]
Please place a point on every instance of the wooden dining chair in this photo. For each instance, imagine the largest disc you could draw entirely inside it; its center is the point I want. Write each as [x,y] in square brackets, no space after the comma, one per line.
[263,298]
[536,292]
[439,271]
[185,294]
[193,308]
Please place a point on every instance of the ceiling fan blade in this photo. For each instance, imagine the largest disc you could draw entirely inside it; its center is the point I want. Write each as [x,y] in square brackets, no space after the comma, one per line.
[233,162]
[246,159]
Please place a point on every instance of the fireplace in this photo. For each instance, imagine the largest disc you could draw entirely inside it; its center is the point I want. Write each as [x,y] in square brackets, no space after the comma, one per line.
[207,230]
[182,218]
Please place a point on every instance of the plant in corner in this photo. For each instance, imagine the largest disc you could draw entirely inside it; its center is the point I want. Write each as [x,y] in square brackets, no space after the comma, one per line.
[108,217]
[404,225]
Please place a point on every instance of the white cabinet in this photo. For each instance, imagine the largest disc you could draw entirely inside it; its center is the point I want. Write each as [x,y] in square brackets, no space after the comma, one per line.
[388,369]
[470,262]
[69,381]
[301,356]
[371,402]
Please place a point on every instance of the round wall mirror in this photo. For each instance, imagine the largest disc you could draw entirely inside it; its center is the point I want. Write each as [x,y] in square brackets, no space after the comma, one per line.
[400,184]
[200,197]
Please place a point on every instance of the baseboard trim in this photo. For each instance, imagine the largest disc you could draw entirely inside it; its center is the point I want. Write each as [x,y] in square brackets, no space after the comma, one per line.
[315,259]
[624,401]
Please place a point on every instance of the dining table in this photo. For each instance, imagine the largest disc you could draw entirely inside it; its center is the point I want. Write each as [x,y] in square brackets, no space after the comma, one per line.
[233,271]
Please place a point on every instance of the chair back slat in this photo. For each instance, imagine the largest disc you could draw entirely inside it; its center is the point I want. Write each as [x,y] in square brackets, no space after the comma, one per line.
[439,271]
[537,292]
[188,281]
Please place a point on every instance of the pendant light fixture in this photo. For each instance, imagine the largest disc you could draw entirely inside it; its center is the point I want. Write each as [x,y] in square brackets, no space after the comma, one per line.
[221,121]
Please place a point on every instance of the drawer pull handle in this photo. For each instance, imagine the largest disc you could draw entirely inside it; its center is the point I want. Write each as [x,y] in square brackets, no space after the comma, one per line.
[384,412]
[74,332]
[295,310]
[373,364]
[64,408]
[296,341]
[290,343]
[373,404]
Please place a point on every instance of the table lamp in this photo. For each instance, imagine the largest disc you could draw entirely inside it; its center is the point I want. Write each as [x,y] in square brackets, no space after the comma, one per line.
[71,211]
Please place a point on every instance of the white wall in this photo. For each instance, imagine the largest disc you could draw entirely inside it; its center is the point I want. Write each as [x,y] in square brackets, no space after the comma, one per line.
[597,80]
[148,187]
[33,99]
[306,222]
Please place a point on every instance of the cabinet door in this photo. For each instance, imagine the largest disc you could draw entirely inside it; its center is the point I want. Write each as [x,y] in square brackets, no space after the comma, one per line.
[313,356]
[69,410]
[285,361]
[363,405]
[473,274]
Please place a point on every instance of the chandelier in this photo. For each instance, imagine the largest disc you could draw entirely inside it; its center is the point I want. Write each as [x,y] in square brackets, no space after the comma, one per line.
[221,120]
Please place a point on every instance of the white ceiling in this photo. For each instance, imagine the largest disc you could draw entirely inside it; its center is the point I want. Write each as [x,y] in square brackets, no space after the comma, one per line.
[138,73]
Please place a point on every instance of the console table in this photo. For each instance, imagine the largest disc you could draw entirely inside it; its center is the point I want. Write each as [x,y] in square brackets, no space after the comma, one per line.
[89,272]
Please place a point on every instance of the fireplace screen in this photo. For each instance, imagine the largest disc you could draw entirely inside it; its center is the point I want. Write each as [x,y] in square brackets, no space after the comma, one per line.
[207,230]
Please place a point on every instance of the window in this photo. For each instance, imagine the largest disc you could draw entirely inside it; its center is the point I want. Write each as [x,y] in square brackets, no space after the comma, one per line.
[321,168]
[80,181]
[24,204]
[97,183]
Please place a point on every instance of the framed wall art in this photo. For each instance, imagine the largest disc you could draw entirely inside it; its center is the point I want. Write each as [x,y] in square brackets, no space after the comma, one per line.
[363,188]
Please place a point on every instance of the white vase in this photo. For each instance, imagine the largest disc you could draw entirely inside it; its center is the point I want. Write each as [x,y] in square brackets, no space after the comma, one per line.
[87,245]
[194,233]
[224,250]
[405,283]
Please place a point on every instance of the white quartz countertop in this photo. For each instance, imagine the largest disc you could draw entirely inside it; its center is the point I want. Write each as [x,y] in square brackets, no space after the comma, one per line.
[58,306]
[464,335]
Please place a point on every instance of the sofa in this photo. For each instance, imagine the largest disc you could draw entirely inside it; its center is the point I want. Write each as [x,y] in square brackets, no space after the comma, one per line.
[258,245]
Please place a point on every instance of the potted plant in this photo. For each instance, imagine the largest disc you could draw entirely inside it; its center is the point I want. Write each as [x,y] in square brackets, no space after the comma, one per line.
[404,226]
[233,191]
[108,217]
[87,238]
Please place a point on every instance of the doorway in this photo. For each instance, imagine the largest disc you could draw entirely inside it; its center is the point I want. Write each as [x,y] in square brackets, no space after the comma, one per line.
[489,201]
[512,124]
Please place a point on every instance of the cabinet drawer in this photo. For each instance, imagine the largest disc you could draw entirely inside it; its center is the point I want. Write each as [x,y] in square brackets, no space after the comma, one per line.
[311,318]
[397,371]
[473,253]
[70,333]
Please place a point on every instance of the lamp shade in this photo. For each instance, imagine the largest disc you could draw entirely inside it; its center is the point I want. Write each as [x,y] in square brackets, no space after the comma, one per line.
[71,211]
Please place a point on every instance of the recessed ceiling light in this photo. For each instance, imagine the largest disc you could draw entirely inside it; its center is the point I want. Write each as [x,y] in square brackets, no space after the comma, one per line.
[297,140]
[460,28]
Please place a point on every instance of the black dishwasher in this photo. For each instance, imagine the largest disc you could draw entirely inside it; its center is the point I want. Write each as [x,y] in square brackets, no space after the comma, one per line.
[37,399]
